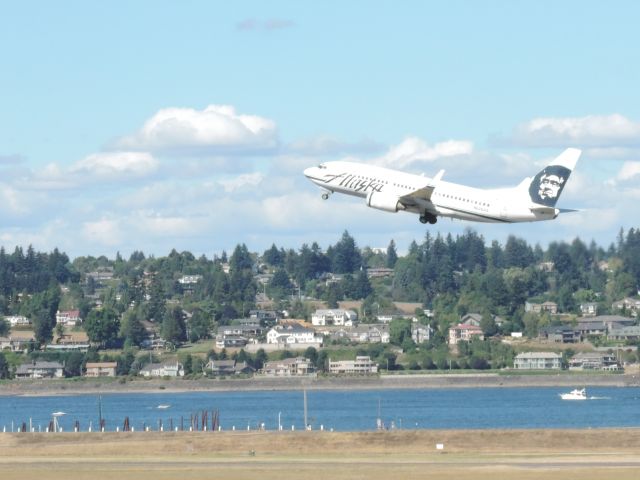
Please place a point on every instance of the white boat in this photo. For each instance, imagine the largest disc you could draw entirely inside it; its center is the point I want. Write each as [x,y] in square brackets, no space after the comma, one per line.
[577,394]
[163,407]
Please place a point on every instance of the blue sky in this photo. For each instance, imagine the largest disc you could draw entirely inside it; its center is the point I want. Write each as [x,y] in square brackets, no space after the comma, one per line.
[154,125]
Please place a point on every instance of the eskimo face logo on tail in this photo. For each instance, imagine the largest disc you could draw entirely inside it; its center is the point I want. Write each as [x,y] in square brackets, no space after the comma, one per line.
[546,186]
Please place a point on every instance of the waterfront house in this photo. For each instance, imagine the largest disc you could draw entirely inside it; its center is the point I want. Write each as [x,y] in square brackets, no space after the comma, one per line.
[163,370]
[538,361]
[101,369]
[593,361]
[362,365]
[289,367]
[230,341]
[228,367]
[40,369]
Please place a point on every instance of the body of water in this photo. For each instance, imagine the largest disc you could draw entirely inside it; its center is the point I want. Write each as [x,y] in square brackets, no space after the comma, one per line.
[340,410]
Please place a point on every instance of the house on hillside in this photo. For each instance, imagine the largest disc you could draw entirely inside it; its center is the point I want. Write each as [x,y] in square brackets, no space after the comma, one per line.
[631,305]
[550,307]
[334,316]
[464,333]
[15,344]
[559,334]
[68,318]
[292,333]
[18,321]
[421,333]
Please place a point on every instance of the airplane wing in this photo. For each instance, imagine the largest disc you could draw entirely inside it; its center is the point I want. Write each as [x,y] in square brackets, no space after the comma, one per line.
[422,194]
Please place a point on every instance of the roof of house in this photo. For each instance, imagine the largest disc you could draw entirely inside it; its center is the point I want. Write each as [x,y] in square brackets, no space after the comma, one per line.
[536,355]
[102,365]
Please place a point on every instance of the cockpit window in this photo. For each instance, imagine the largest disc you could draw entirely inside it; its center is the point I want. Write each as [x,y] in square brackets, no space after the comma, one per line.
[322,165]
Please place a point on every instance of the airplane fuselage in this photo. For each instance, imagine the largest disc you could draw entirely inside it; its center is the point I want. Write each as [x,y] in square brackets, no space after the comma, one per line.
[393,190]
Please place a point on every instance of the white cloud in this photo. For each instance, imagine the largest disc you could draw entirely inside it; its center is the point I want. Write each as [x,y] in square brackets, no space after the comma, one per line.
[246,180]
[613,130]
[216,129]
[327,145]
[105,232]
[628,171]
[413,150]
[116,165]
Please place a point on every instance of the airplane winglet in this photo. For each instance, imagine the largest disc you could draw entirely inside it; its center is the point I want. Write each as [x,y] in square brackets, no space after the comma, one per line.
[438,176]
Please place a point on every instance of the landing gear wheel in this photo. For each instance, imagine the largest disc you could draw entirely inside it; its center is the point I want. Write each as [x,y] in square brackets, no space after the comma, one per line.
[428,218]
[325,196]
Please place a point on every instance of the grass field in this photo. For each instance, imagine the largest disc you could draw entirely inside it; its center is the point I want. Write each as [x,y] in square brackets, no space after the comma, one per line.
[482,454]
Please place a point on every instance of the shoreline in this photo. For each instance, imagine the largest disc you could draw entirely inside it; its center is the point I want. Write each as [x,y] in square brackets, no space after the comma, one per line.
[54,387]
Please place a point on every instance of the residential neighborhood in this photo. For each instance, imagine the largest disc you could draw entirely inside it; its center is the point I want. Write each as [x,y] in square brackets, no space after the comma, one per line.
[349,313]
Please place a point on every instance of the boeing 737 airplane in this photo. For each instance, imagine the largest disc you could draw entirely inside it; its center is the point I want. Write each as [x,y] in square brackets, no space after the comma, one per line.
[392,191]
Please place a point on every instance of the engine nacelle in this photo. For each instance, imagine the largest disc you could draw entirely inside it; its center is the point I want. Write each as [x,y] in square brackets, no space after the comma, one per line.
[384,201]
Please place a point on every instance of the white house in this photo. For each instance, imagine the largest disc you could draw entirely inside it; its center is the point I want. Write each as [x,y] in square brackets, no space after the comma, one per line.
[160,370]
[189,279]
[362,365]
[463,332]
[68,318]
[289,367]
[18,320]
[538,361]
[292,333]
[334,316]
[421,333]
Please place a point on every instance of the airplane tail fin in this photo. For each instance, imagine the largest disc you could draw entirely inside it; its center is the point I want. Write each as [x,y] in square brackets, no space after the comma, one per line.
[545,188]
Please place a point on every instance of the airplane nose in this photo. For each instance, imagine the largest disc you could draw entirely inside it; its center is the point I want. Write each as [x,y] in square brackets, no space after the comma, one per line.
[308,172]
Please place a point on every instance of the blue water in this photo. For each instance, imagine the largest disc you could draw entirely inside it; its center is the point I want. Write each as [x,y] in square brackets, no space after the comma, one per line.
[473,408]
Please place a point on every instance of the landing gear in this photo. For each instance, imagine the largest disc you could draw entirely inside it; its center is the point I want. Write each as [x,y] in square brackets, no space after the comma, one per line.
[325,195]
[427,217]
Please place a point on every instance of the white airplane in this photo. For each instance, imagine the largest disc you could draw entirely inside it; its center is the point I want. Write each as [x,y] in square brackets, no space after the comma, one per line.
[534,199]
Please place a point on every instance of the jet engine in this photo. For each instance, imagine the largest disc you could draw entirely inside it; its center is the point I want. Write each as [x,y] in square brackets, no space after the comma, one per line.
[384,201]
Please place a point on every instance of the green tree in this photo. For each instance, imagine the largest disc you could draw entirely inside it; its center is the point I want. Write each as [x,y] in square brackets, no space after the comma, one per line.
[392,254]
[131,328]
[399,330]
[4,366]
[5,327]
[157,302]
[102,326]
[74,364]
[199,325]
[173,326]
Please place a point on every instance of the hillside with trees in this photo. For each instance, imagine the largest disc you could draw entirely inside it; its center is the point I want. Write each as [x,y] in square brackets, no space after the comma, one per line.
[183,299]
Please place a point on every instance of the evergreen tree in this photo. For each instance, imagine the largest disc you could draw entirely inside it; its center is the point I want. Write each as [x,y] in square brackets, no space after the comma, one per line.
[173,326]
[392,254]
[157,302]
[4,367]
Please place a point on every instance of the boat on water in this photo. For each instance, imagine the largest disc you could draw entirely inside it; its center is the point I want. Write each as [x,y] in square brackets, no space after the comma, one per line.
[576,394]
[163,407]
